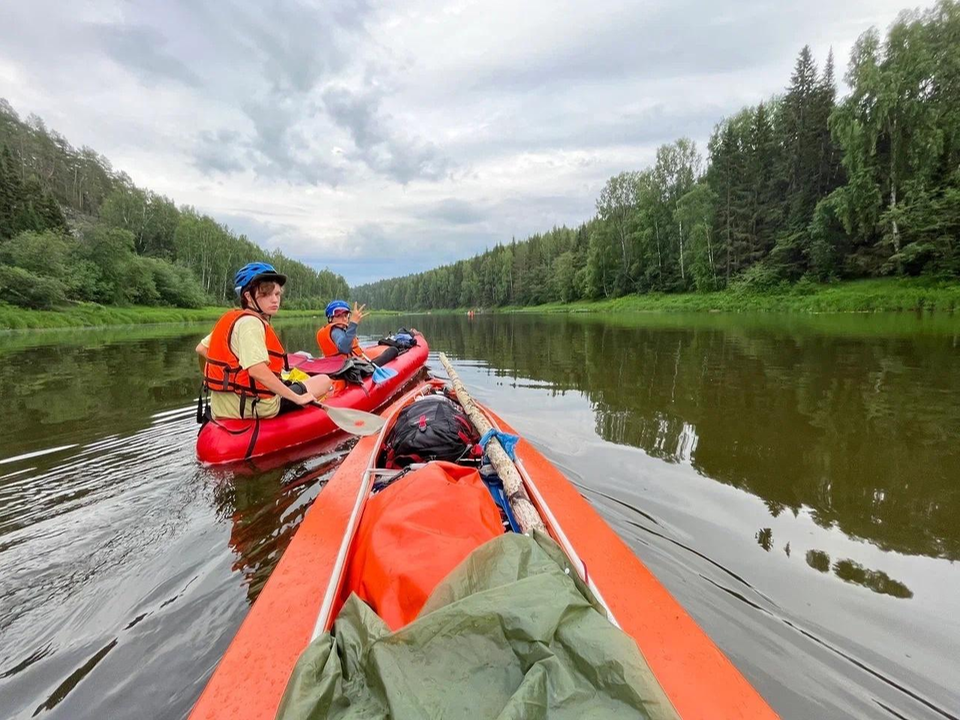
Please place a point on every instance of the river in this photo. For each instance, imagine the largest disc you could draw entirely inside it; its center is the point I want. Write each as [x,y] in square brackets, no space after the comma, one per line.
[792,480]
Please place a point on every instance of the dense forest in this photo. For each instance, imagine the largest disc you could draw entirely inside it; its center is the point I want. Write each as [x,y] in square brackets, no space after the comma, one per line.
[74,229]
[801,187]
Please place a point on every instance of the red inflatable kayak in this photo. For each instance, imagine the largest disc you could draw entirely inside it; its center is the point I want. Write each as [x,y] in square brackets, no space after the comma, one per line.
[224,441]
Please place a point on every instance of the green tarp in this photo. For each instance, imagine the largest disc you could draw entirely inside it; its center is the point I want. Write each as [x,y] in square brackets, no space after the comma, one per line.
[510,634]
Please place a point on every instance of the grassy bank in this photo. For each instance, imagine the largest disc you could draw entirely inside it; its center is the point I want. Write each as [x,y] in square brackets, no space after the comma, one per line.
[884,295]
[90,315]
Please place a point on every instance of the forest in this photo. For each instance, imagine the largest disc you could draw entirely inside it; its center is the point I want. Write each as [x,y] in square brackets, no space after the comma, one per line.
[802,187]
[73,229]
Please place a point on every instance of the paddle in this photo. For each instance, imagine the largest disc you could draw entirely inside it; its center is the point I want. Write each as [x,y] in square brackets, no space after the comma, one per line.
[380,374]
[355,422]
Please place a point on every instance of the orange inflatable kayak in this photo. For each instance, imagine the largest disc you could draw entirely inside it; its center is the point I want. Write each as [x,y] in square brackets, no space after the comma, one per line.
[302,596]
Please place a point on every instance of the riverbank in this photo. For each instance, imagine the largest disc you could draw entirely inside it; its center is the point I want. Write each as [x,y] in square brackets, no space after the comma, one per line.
[856,296]
[91,315]
[884,295]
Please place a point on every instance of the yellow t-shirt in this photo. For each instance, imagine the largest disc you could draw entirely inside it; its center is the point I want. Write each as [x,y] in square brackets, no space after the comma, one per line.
[249,343]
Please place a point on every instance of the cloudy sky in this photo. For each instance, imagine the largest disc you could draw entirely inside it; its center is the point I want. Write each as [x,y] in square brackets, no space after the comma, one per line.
[382,138]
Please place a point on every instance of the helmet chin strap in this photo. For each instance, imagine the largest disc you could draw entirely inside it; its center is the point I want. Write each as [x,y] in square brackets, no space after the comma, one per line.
[256,305]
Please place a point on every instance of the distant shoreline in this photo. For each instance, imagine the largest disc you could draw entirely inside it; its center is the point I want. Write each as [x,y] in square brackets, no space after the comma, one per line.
[853,296]
[856,296]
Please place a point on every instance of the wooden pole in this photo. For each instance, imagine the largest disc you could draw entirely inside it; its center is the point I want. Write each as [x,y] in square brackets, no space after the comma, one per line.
[523,510]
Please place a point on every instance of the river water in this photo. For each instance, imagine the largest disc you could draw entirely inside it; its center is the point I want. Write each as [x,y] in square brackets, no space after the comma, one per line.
[792,480]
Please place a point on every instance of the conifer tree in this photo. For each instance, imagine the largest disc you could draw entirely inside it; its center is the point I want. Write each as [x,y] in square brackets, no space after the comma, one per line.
[11,194]
[764,213]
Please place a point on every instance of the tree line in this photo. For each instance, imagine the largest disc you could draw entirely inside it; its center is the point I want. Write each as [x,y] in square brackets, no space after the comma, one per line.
[74,229]
[802,186]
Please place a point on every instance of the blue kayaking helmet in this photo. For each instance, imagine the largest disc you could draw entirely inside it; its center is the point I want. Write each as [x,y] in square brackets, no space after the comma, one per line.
[256,271]
[337,305]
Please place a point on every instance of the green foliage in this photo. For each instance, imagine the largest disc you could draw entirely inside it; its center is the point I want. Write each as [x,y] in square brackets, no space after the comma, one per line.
[150,219]
[130,245]
[42,253]
[829,243]
[101,267]
[75,178]
[115,278]
[696,211]
[564,276]
[24,204]
[545,268]
[759,279]
[24,288]
[175,286]
[805,296]
[900,132]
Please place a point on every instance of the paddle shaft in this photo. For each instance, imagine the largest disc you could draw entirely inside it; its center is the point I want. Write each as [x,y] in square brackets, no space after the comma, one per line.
[380,374]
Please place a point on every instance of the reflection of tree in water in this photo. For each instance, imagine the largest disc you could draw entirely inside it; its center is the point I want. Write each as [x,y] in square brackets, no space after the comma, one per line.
[856,574]
[877,580]
[818,560]
[99,382]
[857,430]
[764,538]
[266,508]
[69,390]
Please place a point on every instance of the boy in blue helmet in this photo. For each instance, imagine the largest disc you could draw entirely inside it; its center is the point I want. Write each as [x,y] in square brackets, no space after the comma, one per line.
[244,357]
[339,335]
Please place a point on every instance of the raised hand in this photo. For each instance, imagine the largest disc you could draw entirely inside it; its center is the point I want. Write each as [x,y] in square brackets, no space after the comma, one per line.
[358,313]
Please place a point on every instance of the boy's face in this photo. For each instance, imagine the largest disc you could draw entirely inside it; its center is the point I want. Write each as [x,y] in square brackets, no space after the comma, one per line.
[268,297]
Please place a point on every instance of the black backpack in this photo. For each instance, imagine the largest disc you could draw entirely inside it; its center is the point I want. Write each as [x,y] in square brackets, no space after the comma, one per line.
[353,371]
[403,340]
[434,428]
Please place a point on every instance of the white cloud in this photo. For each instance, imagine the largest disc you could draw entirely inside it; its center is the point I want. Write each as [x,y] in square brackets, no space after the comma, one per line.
[385,138]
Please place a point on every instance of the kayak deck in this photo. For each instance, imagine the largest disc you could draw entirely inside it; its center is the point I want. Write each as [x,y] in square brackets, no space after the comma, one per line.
[299,601]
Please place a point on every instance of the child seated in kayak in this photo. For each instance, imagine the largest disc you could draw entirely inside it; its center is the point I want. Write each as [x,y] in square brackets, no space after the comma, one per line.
[339,335]
[244,357]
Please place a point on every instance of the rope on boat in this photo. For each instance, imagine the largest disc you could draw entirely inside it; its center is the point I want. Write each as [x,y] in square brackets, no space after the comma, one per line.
[524,510]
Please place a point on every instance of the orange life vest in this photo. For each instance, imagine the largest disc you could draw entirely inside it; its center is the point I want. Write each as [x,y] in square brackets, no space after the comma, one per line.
[223,372]
[328,347]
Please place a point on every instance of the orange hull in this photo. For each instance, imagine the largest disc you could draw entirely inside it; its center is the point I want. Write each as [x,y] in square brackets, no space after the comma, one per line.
[297,602]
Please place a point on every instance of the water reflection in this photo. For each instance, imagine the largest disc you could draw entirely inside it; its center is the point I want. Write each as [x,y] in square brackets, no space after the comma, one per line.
[127,568]
[265,508]
[853,420]
[118,550]
[854,573]
[818,560]
[764,538]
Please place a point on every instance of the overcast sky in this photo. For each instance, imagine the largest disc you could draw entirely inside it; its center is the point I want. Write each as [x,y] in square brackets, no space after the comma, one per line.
[385,138]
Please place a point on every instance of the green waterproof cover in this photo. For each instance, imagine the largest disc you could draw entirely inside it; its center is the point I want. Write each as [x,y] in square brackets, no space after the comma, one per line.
[511,633]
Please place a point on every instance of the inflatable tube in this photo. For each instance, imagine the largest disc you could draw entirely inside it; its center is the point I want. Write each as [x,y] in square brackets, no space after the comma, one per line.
[224,441]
